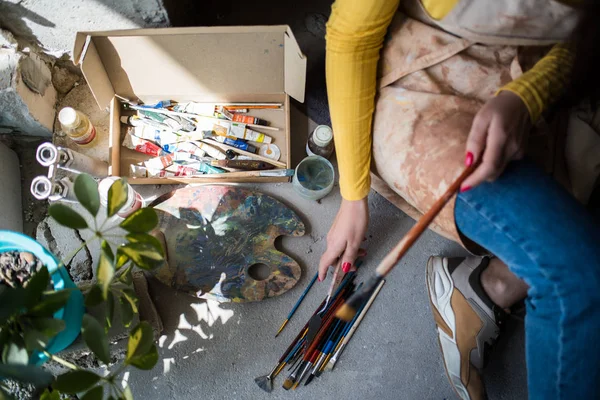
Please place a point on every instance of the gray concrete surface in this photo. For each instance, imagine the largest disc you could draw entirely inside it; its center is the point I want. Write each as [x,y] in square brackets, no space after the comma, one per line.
[214,351]
[52,24]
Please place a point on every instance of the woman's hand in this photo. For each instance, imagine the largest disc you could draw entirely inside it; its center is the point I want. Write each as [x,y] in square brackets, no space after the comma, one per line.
[345,236]
[498,134]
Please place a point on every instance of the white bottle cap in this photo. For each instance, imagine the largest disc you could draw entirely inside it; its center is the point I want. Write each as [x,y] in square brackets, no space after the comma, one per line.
[68,116]
[322,135]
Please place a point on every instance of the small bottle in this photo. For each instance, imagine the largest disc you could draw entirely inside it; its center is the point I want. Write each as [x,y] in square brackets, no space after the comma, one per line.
[320,142]
[134,199]
[77,126]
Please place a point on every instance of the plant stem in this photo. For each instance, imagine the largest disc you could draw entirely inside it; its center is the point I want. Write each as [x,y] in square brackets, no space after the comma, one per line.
[70,256]
[60,360]
[116,373]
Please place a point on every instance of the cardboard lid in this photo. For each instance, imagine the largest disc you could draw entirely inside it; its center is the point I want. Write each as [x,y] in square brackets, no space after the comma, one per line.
[191,63]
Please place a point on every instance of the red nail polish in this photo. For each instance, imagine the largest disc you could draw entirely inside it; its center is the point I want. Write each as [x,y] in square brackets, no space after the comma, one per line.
[469,159]
[346,267]
[320,279]
[464,189]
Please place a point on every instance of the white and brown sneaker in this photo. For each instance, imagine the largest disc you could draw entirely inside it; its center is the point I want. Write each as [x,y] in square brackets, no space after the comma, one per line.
[468,322]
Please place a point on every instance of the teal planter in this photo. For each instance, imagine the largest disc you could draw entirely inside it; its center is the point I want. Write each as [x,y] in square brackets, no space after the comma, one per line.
[72,313]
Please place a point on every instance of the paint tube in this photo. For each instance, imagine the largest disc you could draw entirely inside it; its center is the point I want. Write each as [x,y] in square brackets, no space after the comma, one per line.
[161,137]
[159,162]
[186,147]
[238,144]
[47,154]
[237,110]
[247,119]
[134,199]
[222,111]
[240,131]
[203,167]
[243,164]
[195,108]
[184,170]
[143,146]
[212,151]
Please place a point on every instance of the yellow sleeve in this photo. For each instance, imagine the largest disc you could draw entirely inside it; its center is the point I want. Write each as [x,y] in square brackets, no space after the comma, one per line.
[545,82]
[355,33]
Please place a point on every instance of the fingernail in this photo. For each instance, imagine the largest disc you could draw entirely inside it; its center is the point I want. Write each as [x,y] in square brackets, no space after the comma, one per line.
[346,267]
[469,159]
[320,279]
[464,189]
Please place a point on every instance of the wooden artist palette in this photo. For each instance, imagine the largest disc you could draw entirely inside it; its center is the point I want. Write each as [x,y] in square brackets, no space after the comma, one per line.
[216,235]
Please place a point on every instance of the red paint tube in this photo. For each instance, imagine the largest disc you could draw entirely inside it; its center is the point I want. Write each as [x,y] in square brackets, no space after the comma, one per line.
[247,119]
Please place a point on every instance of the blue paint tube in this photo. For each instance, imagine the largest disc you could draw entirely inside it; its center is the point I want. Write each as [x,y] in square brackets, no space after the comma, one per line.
[238,144]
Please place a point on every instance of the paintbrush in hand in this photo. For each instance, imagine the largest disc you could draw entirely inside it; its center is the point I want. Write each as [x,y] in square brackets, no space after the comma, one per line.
[348,310]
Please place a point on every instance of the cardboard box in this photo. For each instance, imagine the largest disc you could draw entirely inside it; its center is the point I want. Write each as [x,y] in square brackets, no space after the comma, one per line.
[220,64]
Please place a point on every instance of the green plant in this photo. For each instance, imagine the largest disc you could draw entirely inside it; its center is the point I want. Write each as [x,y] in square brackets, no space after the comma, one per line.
[26,313]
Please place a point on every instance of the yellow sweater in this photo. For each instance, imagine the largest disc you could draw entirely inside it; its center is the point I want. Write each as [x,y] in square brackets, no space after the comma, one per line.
[355,34]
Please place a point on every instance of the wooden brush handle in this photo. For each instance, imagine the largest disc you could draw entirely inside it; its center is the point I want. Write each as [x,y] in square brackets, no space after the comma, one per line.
[388,263]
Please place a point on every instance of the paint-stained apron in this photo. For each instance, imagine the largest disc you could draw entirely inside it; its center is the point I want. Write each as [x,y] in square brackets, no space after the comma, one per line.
[432,83]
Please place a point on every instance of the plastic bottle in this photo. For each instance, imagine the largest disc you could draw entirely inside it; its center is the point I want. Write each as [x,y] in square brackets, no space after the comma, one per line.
[134,199]
[77,126]
[320,142]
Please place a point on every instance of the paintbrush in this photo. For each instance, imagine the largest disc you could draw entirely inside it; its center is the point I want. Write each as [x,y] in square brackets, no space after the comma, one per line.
[355,325]
[302,296]
[348,310]
[325,349]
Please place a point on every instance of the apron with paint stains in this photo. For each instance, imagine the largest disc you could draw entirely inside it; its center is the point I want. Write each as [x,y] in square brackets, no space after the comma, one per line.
[432,83]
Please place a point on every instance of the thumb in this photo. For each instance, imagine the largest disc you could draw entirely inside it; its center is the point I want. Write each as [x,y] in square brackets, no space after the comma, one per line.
[477,137]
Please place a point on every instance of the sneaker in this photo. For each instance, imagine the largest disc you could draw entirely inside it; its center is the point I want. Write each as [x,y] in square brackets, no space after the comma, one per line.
[468,322]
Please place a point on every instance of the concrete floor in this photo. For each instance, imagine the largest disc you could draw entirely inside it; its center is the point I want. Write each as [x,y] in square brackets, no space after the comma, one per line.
[214,351]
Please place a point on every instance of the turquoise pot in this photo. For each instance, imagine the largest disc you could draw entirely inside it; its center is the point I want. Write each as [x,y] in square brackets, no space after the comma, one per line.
[72,313]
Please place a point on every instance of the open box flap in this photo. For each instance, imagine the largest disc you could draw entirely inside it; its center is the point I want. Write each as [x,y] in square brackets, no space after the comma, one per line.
[191,63]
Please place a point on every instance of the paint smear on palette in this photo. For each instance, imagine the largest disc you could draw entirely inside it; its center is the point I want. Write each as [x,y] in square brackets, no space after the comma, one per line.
[215,233]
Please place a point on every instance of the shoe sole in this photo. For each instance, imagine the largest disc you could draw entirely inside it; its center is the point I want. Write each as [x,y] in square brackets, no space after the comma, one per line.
[440,288]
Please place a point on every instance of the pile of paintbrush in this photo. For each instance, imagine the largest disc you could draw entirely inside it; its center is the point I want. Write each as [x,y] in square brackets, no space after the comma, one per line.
[319,344]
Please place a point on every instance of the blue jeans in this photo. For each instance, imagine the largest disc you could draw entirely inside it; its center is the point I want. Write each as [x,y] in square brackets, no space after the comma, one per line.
[551,242]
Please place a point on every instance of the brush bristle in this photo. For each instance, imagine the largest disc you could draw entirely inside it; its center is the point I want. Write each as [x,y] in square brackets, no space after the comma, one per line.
[345,313]
[288,383]
[264,383]
[348,310]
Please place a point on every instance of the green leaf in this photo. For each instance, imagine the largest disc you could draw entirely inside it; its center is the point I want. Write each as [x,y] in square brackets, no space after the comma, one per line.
[12,302]
[107,250]
[117,197]
[66,216]
[126,277]
[26,373]
[131,297]
[121,259]
[51,303]
[35,340]
[36,286]
[48,326]
[126,312]
[76,381]
[96,393]
[146,238]
[146,361]
[86,191]
[141,340]
[14,354]
[4,395]
[143,255]
[141,221]
[95,338]
[50,395]
[110,310]
[94,296]
[105,274]
[127,395]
